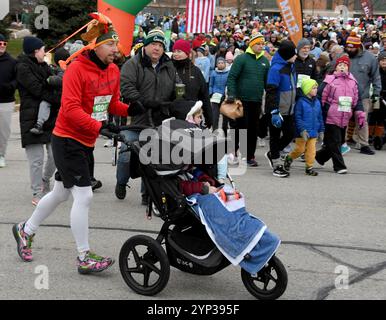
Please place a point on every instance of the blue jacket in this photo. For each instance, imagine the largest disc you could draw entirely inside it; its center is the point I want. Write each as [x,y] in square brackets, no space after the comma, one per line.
[218,81]
[203,63]
[308,116]
[281,86]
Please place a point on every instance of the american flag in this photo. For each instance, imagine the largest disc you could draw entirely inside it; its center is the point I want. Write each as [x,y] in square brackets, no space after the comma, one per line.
[199,15]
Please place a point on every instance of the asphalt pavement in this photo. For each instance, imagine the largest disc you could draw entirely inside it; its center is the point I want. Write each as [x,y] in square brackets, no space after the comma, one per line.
[332,229]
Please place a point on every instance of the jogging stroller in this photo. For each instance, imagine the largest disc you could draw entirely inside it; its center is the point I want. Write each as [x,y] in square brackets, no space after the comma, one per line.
[143,262]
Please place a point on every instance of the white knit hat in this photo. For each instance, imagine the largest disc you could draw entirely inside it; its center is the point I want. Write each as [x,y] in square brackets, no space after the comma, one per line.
[197,106]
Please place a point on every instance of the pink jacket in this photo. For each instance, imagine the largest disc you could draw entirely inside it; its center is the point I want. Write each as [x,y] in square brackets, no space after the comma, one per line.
[338,87]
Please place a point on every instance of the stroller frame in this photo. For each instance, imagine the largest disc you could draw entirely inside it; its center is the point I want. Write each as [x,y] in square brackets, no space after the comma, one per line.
[143,262]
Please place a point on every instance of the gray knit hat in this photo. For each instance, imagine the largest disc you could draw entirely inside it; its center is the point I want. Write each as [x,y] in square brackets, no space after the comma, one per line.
[302,43]
[382,55]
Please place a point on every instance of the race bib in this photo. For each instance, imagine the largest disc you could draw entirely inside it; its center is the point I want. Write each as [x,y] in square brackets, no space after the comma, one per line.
[100,108]
[345,104]
[301,77]
[216,98]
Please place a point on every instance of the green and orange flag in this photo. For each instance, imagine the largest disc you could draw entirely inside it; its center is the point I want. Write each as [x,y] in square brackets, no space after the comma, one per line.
[122,13]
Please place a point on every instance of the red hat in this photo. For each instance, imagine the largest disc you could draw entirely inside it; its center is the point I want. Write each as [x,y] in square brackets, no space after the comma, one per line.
[182,45]
[343,59]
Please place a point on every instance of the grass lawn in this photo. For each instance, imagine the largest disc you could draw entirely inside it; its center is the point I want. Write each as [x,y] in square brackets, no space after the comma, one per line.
[14,47]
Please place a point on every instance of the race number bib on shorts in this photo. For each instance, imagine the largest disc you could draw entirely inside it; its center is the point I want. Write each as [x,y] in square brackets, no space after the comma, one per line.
[101,107]
[345,104]
[301,77]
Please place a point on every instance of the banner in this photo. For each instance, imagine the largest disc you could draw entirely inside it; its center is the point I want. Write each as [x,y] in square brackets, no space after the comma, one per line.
[367,6]
[199,15]
[122,13]
[291,12]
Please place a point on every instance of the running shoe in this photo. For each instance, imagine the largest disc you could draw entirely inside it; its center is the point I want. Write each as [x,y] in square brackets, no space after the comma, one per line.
[93,263]
[24,242]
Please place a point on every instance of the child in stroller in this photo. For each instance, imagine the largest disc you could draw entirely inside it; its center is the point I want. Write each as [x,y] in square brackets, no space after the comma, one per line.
[191,239]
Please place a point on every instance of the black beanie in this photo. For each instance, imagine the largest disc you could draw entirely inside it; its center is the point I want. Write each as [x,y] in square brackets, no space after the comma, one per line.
[61,54]
[2,38]
[30,44]
[287,49]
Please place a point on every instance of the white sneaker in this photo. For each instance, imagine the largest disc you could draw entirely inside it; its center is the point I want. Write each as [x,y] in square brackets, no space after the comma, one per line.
[232,160]
[2,162]
[108,144]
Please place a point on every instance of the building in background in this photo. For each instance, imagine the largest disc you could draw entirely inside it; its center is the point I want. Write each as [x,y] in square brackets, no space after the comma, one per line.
[328,8]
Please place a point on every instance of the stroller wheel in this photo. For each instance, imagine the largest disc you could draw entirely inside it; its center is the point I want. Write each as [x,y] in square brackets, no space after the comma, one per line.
[144,265]
[269,283]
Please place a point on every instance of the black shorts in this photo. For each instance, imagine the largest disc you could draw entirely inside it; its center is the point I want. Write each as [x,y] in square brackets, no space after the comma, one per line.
[74,162]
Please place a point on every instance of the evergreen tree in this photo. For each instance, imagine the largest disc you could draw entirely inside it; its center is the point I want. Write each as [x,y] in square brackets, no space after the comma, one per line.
[4,24]
[65,17]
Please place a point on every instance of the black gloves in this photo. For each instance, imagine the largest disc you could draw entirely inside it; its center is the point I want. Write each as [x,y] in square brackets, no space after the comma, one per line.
[135,108]
[152,104]
[111,127]
[230,99]
[55,81]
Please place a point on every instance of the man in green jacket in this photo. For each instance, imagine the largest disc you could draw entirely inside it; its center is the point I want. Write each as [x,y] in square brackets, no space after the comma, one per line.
[246,81]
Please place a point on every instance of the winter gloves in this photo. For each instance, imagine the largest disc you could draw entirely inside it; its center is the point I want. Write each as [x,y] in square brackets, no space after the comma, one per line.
[361,118]
[277,118]
[305,135]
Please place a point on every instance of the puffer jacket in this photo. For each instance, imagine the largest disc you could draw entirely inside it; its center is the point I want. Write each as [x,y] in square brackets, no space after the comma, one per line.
[281,86]
[339,85]
[32,83]
[218,81]
[308,116]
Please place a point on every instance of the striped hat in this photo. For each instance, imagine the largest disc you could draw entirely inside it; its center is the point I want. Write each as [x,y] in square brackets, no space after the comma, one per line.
[353,41]
[257,38]
[155,35]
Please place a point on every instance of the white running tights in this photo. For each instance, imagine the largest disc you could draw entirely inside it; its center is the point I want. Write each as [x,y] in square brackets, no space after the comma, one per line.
[79,211]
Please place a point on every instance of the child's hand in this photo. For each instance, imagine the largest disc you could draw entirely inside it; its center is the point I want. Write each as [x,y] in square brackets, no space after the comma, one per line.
[212,190]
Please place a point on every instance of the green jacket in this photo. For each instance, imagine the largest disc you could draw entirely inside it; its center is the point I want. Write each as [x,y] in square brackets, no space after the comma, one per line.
[248,76]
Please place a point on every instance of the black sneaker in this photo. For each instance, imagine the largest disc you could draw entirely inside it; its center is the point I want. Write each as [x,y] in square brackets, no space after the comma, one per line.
[37,129]
[302,158]
[252,163]
[280,172]
[268,156]
[378,143]
[120,191]
[311,172]
[95,184]
[367,150]
[287,163]
[145,200]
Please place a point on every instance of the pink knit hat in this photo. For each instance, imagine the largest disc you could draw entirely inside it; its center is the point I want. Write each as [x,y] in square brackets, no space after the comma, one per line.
[229,56]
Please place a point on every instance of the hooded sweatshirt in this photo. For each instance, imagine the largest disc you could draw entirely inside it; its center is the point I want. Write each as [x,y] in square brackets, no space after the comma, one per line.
[83,82]
[7,78]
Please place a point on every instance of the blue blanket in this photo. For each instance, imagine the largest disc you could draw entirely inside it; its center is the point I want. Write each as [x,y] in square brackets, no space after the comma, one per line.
[235,232]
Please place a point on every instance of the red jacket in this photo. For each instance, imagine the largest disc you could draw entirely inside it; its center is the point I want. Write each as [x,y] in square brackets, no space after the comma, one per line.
[82,82]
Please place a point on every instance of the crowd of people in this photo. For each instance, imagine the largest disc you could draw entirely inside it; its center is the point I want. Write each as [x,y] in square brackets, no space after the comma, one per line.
[330,86]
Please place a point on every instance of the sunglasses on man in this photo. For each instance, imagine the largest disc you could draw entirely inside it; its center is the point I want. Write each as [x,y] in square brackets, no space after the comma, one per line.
[3,43]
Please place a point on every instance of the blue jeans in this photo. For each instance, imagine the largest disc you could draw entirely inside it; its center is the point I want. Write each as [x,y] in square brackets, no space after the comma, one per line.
[123,165]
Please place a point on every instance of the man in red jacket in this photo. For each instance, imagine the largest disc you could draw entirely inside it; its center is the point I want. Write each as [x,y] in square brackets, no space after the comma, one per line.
[91,90]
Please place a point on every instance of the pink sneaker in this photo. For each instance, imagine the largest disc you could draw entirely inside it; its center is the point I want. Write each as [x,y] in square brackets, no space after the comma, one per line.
[93,263]
[24,242]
